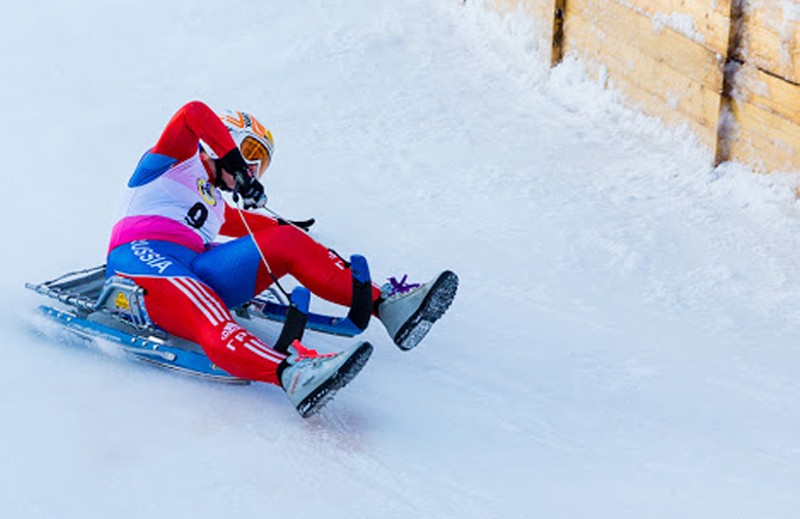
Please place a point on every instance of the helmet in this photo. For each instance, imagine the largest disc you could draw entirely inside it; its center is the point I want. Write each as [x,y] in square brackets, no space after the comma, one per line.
[252,138]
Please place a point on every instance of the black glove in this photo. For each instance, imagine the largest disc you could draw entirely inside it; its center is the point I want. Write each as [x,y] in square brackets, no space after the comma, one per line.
[250,189]
[246,186]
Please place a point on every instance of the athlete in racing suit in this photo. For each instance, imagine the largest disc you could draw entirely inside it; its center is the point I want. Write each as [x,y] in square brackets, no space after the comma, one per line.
[172,214]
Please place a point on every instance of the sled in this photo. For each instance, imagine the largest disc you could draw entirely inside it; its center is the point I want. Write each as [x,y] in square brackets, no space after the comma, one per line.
[93,306]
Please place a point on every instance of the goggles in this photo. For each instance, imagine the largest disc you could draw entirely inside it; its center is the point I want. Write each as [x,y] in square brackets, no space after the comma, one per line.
[255,152]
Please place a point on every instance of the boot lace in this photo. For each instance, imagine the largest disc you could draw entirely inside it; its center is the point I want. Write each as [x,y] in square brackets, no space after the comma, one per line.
[308,353]
[399,287]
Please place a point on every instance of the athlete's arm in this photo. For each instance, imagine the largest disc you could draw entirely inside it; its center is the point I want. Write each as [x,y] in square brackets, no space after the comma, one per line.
[193,122]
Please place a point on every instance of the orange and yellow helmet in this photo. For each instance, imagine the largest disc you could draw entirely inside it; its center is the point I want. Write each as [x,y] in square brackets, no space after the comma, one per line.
[252,138]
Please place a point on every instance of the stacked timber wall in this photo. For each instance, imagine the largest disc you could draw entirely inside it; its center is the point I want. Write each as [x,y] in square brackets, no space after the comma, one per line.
[728,69]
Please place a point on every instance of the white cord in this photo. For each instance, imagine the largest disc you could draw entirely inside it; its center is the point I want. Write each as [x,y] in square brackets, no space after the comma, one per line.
[260,252]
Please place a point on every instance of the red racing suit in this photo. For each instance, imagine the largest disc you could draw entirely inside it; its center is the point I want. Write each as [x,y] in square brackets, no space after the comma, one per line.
[165,237]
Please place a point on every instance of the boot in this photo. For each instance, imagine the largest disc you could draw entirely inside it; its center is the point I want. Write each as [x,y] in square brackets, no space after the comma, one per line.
[409,310]
[311,379]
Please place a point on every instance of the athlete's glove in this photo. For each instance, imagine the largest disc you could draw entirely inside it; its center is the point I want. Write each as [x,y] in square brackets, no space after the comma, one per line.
[246,186]
[250,189]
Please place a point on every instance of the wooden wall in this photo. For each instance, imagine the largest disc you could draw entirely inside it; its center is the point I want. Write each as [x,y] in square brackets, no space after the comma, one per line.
[765,88]
[541,11]
[728,69]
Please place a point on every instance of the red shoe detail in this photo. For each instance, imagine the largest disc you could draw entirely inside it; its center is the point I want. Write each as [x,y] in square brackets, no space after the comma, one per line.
[308,353]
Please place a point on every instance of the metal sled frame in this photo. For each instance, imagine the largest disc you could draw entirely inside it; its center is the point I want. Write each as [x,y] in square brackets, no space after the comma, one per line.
[113,309]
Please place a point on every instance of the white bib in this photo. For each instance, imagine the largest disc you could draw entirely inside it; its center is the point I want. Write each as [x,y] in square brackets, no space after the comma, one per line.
[184,194]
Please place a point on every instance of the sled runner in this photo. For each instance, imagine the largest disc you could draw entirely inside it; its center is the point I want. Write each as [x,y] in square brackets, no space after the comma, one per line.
[113,309]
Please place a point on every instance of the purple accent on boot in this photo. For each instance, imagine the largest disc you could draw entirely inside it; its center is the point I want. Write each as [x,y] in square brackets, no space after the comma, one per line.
[401,287]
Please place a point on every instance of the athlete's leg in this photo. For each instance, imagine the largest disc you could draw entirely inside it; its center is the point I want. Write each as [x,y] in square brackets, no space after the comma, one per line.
[236,271]
[186,307]
[182,305]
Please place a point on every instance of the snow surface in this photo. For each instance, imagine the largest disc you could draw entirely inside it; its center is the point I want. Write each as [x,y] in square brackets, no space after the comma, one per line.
[625,342]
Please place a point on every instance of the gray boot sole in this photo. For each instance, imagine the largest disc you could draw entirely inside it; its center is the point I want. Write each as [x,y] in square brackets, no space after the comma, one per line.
[312,404]
[435,304]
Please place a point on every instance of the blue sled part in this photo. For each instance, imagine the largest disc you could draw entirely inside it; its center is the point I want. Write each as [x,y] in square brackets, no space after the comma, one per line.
[150,350]
[345,326]
[329,324]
